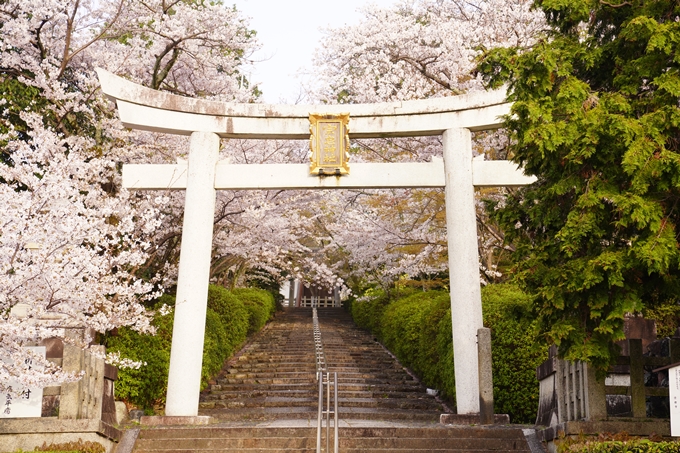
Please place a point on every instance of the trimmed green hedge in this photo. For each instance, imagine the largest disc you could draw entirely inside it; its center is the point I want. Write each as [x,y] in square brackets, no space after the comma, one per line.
[230,317]
[516,353]
[261,306]
[412,329]
[618,446]
[417,329]
[367,312]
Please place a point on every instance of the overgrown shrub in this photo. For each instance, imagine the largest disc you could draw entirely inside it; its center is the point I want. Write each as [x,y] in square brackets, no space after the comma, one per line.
[666,315]
[145,386]
[447,378]
[417,329]
[80,447]
[227,326]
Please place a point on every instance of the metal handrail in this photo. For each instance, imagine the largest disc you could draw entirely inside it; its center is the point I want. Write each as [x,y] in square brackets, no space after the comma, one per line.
[318,345]
[324,379]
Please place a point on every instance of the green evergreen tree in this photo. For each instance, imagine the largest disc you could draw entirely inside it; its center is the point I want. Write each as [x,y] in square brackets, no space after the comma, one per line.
[596,119]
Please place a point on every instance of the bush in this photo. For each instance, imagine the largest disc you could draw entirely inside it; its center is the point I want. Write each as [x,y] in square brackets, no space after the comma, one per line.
[261,306]
[515,352]
[232,314]
[145,386]
[417,329]
[227,324]
[367,313]
[447,378]
[80,447]
[410,327]
[619,446]
[214,354]
[666,315]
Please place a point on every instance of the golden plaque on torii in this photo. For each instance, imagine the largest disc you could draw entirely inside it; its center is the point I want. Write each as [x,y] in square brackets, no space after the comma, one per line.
[329,144]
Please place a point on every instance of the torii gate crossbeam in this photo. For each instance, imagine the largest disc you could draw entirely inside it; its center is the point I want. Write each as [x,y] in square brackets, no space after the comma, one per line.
[206,122]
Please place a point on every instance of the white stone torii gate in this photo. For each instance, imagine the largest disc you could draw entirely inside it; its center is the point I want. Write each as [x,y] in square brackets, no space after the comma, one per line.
[207,121]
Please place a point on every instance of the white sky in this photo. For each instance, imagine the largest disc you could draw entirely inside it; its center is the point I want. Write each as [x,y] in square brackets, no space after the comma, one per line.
[289,31]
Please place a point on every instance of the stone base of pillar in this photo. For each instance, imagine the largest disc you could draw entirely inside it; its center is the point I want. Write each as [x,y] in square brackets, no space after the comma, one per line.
[157,420]
[471,419]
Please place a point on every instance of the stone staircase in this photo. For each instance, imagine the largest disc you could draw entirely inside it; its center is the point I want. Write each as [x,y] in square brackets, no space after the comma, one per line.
[372,385]
[265,399]
[274,378]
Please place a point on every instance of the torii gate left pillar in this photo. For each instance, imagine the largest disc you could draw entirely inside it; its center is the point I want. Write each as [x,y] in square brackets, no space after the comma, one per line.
[186,354]
[206,122]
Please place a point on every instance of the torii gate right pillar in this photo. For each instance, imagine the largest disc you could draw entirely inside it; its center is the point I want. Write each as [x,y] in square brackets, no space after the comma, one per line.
[464,282]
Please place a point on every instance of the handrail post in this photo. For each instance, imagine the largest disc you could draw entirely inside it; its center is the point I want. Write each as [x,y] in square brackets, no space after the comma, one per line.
[324,378]
[335,411]
[328,411]
[319,376]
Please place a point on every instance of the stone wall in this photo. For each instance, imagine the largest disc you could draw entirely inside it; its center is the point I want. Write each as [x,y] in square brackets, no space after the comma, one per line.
[80,410]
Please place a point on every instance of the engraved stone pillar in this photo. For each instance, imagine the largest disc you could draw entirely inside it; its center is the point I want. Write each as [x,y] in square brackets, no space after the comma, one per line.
[70,404]
[595,392]
[637,378]
[485,376]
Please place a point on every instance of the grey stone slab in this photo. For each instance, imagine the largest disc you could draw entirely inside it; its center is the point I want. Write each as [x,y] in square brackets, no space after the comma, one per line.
[156,420]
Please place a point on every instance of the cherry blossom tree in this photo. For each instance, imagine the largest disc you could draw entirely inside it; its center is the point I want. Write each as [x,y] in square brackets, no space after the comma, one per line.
[417,49]
[73,245]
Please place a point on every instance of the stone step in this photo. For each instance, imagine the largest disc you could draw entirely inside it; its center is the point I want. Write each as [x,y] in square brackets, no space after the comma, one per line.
[275,387]
[254,439]
[413,387]
[240,414]
[234,394]
[357,443]
[311,400]
[273,357]
[235,373]
[348,376]
[427,430]
[265,380]
[215,395]
[264,402]
[280,357]
[342,380]
[280,365]
[250,390]
[261,413]
[275,352]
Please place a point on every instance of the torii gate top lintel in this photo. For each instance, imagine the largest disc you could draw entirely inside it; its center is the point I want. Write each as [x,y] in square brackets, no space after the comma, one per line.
[144,108]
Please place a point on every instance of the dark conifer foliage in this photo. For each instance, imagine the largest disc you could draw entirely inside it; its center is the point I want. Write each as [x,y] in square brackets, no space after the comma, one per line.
[596,119]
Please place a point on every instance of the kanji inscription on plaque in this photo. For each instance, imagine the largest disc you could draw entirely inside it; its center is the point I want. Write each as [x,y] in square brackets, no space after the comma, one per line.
[329,144]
